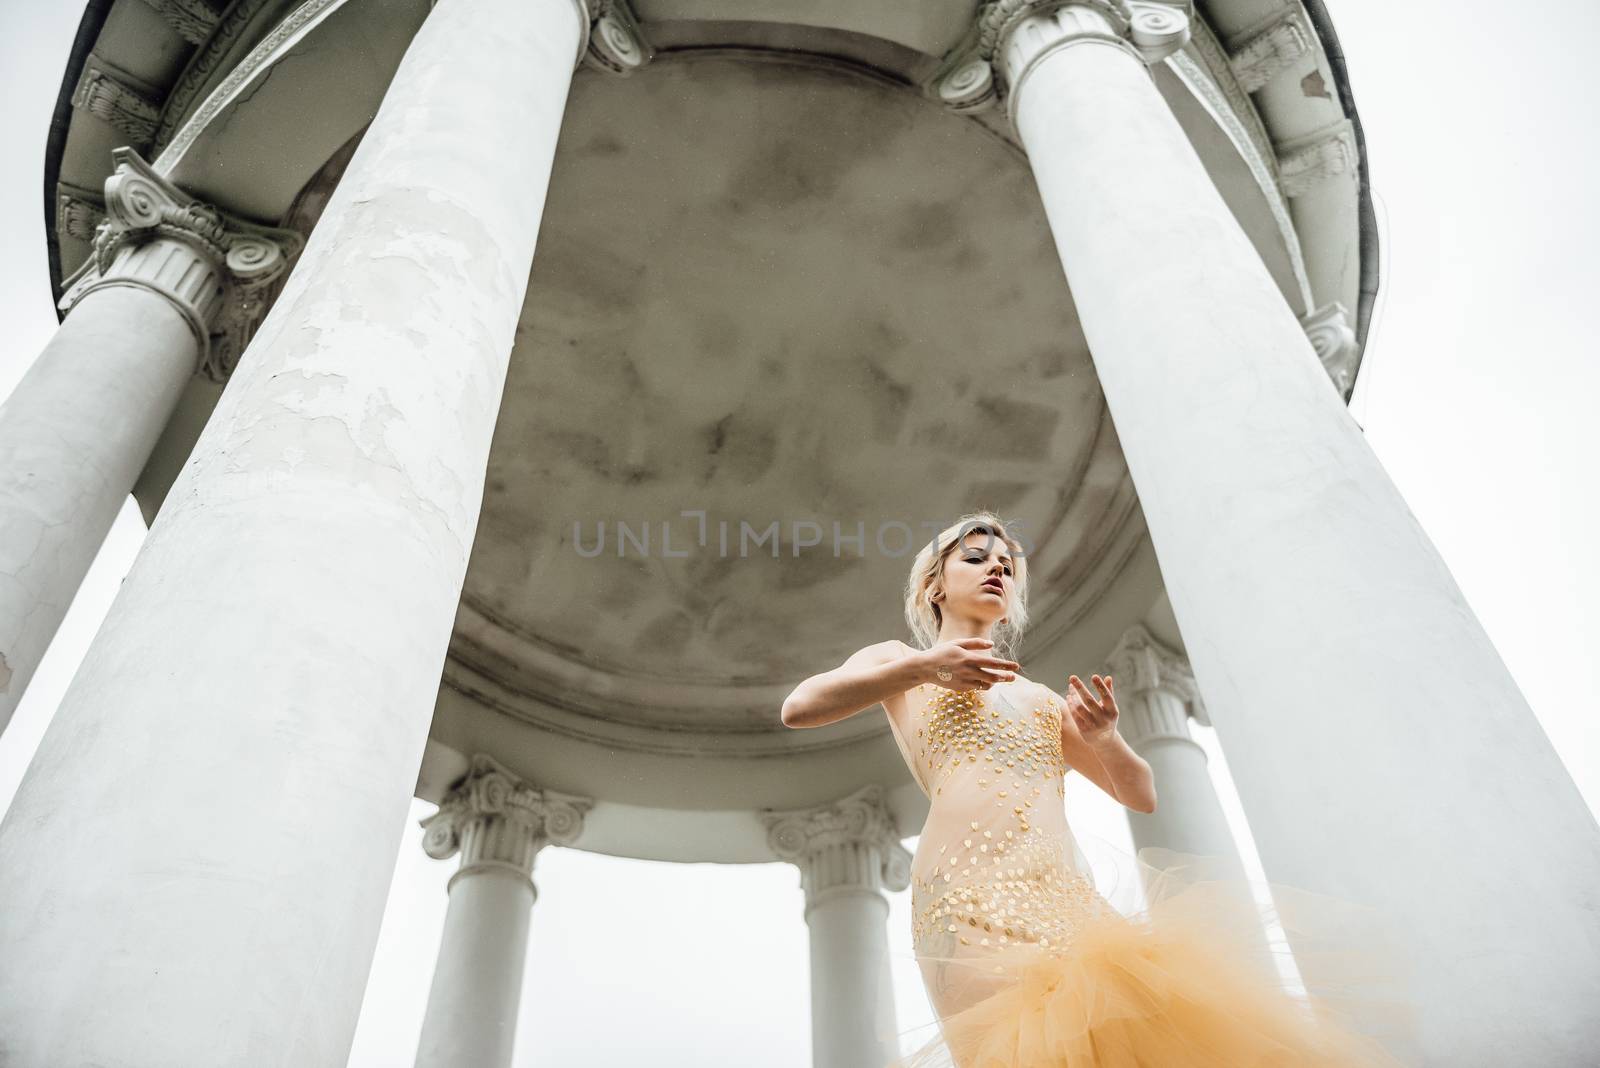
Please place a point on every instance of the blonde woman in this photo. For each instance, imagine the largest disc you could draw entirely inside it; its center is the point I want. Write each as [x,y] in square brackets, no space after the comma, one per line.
[1024,962]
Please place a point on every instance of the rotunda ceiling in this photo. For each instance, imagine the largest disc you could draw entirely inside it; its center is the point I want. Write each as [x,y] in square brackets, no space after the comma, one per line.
[765,291]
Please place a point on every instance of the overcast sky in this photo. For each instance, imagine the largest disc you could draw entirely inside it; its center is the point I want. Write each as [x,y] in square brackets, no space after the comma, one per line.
[1478,394]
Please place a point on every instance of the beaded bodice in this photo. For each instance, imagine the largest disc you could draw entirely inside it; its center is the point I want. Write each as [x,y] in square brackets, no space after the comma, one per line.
[996,863]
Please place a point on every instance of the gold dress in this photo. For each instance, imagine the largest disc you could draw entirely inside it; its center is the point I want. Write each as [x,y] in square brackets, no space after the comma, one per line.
[1027,964]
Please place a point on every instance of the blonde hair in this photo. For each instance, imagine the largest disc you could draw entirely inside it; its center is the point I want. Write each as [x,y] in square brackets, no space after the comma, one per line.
[927,578]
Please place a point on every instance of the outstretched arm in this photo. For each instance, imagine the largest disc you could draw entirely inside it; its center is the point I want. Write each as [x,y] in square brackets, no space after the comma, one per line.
[1091,743]
[870,675]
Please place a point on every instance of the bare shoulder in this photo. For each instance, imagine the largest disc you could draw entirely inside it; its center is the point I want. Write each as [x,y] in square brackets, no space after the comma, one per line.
[878,653]
[1037,692]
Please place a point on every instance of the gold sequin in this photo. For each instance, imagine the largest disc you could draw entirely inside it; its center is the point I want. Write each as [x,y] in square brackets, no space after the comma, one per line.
[1018,884]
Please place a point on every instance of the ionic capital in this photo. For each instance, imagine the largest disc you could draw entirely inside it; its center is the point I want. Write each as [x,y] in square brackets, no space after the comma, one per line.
[847,847]
[498,821]
[213,268]
[1333,339]
[1156,689]
[614,41]
[1011,37]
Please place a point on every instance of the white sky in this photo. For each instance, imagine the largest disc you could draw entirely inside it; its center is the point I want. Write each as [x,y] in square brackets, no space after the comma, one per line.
[1478,394]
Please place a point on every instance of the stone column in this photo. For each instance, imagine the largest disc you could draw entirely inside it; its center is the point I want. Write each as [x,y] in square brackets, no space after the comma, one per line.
[1157,695]
[499,824]
[848,853]
[171,286]
[196,863]
[1381,748]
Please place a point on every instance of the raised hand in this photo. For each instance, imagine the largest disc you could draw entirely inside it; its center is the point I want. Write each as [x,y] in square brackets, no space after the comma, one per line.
[967,664]
[1096,716]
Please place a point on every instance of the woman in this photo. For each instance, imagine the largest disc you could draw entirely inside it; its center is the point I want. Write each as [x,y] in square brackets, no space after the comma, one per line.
[1026,964]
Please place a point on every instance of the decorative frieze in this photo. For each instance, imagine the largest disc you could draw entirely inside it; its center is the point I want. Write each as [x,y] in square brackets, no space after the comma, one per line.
[1156,689]
[126,103]
[213,268]
[496,820]
[1260,56]
[193,20]
[1333,338]
[847,847]
[1010,37]
[1308,162]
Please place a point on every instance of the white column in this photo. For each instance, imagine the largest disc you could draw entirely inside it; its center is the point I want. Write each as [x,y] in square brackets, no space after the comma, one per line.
[848,853]
[1382,750]
[1157,695]
[498,823]
[195,866]
[166,273]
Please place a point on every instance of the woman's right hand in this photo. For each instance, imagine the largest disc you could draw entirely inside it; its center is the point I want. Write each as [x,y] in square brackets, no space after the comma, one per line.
[969,664]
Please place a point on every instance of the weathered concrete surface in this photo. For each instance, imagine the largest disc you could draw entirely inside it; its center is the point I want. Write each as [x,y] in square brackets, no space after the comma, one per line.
[74,435]
[195,865]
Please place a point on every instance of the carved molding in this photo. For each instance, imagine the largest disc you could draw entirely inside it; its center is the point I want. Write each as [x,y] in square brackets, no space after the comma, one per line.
[265,51]
[498,821]
[213,268]
[1333,338]
[1010,37]
[1156,688]
[193,20]
[1307,162]
[217,44]
[124,101]
[847,847]
[79,211]
[1261,56]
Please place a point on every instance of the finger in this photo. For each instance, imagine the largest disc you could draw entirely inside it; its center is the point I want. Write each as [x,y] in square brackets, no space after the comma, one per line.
[1102,685]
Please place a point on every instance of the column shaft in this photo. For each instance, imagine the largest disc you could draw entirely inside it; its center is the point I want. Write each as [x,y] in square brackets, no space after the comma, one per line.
[477,982]
[1383,751]
[74,435]
[196,864]
[1188,817]
[852,993]
[848,853]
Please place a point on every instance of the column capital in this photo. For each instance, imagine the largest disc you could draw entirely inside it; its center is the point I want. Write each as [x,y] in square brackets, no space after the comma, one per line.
[843,847]
[1157,688]
[496,820]
[1333,339]
[214,269]
[613,42]
[1009,37]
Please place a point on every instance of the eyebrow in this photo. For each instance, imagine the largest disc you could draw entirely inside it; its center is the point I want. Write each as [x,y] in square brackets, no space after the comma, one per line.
[979,549]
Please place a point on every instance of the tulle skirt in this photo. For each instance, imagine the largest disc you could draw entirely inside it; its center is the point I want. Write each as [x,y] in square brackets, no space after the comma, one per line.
[1185,967]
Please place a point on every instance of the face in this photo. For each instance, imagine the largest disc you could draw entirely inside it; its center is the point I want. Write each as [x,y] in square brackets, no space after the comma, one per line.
[978,577]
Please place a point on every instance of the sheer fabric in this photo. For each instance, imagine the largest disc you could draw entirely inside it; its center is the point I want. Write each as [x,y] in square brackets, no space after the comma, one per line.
[1030,959]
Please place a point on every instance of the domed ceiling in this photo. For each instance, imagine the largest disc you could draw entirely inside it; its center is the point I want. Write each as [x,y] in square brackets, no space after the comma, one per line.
[765,291]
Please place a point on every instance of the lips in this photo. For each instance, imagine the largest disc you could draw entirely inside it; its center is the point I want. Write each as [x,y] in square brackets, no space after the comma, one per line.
[994,584]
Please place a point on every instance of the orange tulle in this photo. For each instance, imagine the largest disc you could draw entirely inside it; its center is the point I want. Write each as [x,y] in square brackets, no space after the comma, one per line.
[1184,977]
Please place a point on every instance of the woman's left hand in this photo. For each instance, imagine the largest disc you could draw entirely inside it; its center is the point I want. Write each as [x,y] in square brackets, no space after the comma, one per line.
[1096,717]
